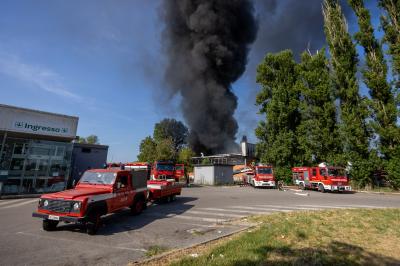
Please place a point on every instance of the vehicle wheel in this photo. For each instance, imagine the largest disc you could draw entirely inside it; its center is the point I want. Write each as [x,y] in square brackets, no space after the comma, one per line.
[137,206]
[49,225]
[173,198]
[321,188]
[301,186]
[168,199]
[93,224]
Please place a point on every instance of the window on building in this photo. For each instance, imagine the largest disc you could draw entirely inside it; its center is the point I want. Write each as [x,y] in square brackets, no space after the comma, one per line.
[60,151]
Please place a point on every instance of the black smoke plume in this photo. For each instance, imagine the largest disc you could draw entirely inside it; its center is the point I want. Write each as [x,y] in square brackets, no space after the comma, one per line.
[206,44]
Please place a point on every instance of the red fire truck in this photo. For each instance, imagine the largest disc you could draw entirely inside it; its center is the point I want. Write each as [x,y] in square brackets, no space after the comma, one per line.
[163,170]
[100,192]
[262,176]
[179,172]
[324,178]
[160,189]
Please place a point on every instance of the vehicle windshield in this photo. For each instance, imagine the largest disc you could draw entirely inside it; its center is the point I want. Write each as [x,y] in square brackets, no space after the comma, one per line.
[178,167]
[165,167]
[267,171]
[336,172]
[105,178]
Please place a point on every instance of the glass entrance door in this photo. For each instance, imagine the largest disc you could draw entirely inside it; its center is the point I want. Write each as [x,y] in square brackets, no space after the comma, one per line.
[35,166]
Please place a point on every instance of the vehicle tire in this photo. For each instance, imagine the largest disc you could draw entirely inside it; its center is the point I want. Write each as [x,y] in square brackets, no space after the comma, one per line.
[173,198]
[302,186]
[138,206]
[321,188]
[93,224]
[168,199]
[49,225]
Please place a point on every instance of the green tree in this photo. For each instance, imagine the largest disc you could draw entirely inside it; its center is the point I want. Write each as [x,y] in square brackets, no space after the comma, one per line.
[391,25]
[147,150]
[317,132]
[81,140]
[171,128]
[185,156]
[382,103]
[279,101]
[165,149]
[353,110]
[390,21]
[92,139]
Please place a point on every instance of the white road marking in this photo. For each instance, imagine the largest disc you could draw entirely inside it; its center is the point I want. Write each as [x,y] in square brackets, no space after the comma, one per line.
[259,208]
[302,194]
[83,243]
[4,202]
[20,204]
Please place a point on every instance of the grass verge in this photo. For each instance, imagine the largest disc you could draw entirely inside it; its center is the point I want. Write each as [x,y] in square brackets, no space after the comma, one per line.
[155,250]
[339,237]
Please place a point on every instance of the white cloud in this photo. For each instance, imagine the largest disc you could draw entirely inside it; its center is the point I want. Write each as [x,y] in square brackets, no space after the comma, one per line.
[41,77]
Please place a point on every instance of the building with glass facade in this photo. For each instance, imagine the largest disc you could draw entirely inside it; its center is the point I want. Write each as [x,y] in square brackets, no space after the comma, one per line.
[35,150]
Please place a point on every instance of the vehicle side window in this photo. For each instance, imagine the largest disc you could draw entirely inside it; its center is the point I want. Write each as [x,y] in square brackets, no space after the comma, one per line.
[322,172]
[314,172]
[123,179]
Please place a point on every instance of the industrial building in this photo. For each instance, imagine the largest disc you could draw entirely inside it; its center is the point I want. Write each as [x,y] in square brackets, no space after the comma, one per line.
[218,174]
[87,156]
[35,150]
[245,155]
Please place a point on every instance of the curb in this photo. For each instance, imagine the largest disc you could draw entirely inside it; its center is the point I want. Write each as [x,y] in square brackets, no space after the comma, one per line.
[140,261]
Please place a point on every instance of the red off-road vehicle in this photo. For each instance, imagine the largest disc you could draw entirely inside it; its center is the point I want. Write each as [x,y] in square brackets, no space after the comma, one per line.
[99,192]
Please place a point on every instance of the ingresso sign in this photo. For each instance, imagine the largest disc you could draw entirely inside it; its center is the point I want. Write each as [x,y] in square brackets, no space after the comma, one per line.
[36,122]
[39,128]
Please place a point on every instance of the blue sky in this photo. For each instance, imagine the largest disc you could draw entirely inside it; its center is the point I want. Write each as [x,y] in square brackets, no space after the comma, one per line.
[101,61]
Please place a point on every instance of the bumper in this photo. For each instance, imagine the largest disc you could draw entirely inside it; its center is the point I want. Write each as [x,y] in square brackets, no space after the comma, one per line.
[339,188]
[60,218]
[264,183]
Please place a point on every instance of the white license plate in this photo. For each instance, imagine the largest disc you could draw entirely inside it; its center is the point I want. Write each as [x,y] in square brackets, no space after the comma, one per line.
[54,217]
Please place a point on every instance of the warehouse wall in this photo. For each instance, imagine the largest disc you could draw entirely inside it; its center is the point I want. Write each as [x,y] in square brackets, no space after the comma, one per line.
[213,174]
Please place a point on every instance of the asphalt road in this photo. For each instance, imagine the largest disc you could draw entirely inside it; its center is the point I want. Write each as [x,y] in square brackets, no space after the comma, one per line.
[201,213]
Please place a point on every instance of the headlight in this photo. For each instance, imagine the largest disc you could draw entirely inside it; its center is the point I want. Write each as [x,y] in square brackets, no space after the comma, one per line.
[77,206]
[45,203]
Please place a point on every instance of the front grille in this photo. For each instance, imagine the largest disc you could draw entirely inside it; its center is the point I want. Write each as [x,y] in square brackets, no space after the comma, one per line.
[59,206]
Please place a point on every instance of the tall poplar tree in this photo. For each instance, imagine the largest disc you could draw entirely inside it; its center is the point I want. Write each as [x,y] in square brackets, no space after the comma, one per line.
[279,102]
[382,104]
[391,25]
[353,110]
[317,132]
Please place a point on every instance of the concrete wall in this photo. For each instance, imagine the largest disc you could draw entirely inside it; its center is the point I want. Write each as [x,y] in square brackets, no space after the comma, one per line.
[213,174]
[85,156]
